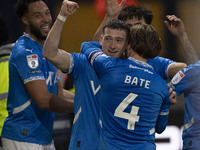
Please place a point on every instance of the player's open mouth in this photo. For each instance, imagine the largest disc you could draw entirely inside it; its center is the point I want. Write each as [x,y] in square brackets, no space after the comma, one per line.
[112,51]
[45,28]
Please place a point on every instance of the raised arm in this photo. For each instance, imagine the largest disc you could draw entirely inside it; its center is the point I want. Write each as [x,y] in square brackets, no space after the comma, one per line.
[57,57]
[176,27]
[112,9]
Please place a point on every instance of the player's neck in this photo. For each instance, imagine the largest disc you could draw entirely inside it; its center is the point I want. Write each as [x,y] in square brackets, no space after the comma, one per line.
[39,40]
[137,57]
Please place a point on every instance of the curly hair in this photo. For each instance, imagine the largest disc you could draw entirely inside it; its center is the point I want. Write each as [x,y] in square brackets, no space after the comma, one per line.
[131,11]
[21,7]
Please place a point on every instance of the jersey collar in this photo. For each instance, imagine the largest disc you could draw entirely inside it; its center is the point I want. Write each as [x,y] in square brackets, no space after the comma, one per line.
[140,62]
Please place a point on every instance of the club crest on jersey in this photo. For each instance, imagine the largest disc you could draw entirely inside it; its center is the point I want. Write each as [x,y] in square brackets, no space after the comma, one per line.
[32,61]
[178,77]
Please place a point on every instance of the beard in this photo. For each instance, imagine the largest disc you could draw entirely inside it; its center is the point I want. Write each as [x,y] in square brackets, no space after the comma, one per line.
[37,33]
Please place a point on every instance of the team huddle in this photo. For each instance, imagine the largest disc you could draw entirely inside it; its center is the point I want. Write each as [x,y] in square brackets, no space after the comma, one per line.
[121,95]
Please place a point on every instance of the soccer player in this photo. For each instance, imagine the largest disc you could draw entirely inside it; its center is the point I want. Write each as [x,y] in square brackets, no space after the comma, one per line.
[34,87]
[85,130]
[134,99]
[187,81]
[134,14]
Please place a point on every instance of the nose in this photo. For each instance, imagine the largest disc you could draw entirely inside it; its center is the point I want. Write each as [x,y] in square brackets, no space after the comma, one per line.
[45,18]
[113,45]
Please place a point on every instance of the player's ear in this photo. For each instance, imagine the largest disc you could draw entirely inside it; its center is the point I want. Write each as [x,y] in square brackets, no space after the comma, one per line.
[128,46]
[101,39]
[128,49]
[25,19]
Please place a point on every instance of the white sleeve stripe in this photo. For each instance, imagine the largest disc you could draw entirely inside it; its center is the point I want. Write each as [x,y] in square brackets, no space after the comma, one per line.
[71,64]
[186,126]
[166,71]
[34,78]
[164,113]
[22,107]
[152,131]
[77,115]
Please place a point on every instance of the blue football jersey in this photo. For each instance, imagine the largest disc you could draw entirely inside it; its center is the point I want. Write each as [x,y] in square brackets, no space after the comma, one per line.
[187,81]
[160,66]
[85,130]
[134,101]
[26,122]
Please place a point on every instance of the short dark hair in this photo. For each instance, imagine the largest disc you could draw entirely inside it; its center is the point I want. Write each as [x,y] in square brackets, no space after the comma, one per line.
[145,41]
[139,12]
[118,25]
[21,7]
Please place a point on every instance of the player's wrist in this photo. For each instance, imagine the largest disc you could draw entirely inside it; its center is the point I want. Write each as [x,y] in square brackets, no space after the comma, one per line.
[62,18]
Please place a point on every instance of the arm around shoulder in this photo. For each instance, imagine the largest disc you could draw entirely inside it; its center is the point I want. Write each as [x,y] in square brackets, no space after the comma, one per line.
[175,67]
[59,58]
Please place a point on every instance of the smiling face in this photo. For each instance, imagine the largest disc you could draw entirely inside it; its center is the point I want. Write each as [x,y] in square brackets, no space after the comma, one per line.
[38,20]
[113,42]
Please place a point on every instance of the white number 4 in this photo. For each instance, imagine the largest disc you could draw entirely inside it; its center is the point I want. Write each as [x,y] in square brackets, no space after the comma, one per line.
[132,117]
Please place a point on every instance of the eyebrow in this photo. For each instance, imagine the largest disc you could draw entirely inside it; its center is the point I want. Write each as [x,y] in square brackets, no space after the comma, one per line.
[48,10]
[130,25]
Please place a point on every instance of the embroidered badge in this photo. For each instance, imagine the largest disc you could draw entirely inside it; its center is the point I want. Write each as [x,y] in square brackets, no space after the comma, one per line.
[32,61]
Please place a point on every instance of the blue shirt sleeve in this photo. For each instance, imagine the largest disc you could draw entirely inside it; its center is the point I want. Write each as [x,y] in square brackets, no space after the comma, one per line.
[28,65]
[161,66]
[162,120]
[88,47]
[99,60]
[186,79]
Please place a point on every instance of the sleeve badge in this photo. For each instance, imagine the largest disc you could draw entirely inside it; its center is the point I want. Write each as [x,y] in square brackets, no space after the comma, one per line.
[32,61]
[178,77]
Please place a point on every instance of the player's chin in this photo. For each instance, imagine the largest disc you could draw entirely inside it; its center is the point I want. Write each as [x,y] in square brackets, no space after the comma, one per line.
[113,55]
[44,34]
[116,55]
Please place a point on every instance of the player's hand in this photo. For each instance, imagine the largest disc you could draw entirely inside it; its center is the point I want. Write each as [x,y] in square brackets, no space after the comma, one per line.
[172,95]
[175,25]
[113,7]
[68,8]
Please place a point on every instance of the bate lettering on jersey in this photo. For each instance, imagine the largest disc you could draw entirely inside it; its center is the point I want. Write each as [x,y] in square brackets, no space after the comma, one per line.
[137,81]
[32,61]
